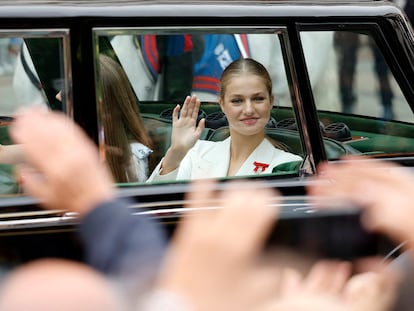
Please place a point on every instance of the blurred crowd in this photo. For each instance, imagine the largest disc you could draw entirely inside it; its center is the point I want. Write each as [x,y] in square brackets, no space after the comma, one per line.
[9,50]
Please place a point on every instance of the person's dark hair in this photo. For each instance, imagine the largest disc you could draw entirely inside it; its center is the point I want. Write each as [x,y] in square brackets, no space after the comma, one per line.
[242,66]
[121,119]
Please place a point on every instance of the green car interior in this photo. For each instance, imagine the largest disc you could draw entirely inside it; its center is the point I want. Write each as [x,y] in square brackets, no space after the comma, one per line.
[364,131]
[343,133]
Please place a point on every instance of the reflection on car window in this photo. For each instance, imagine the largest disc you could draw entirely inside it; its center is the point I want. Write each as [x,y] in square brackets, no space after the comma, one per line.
[361,107]
[163,69]
[31,73]
[153,61]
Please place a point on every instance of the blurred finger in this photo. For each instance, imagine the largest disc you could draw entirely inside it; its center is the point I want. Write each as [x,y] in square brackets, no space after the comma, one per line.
[263,285]
[200,197]
[33,183]
[371,291]
[328,277]
[290,282]
[249,212]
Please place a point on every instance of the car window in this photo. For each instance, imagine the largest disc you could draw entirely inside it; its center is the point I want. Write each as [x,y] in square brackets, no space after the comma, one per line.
[34,68]
[162,68]
[360,105]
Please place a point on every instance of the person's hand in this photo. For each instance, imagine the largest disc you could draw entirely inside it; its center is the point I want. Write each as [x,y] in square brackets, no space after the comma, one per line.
[11,154]
[213,260]
[317,291]
[185,133]
[54,279]
[62,167]
[383,190]
[328,287]
[374,291]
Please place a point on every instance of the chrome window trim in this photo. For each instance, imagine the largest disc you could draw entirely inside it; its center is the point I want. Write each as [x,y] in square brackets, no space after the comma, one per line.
[169,30]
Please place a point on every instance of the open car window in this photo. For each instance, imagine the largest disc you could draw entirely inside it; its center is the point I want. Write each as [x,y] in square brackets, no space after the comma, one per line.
[359,102]
[34,68]
[162,68]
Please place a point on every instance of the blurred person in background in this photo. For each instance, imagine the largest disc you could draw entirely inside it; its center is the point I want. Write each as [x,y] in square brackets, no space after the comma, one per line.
[9,49]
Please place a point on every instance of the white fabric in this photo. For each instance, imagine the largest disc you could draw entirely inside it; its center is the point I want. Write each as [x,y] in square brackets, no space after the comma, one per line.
[133,63]
[25,93]
[139,160]
[208,159]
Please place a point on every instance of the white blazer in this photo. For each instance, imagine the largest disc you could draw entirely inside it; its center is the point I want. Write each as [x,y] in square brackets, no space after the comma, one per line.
[208,159]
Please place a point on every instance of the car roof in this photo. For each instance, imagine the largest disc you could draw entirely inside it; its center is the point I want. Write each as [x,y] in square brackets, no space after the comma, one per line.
[182,8]
[134,2]
[103,3]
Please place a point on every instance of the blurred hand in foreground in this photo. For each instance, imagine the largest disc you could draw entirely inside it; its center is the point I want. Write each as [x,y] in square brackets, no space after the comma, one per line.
[62,167]
[383,190]
[216,261]
[213,260]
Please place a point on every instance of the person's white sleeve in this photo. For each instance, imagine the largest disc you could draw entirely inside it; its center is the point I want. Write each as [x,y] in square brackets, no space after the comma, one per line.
[182,172]
[156,174]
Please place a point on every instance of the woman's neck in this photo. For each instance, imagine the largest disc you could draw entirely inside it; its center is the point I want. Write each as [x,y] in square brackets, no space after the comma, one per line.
[244,145]
[240,149]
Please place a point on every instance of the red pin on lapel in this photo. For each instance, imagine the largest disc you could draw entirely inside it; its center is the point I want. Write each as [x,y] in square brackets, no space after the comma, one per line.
[259,165]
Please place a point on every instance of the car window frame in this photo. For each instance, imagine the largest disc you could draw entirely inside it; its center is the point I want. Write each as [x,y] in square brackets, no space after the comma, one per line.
[382,40]
[281,30]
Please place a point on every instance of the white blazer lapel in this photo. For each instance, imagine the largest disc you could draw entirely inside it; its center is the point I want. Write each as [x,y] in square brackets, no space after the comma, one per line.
[213,162]
[259,160]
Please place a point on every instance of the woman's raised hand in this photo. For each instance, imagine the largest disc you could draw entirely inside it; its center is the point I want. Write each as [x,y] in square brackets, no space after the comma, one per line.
[185,132]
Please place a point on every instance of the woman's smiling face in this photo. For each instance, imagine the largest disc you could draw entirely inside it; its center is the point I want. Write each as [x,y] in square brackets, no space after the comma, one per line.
[247,104]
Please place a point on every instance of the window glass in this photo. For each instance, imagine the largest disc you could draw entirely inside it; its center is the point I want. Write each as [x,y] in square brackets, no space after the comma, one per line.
[33,67]
[157,71]
[360,105]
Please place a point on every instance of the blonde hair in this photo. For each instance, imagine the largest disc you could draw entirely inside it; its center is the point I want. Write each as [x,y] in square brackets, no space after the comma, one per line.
[241,66]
